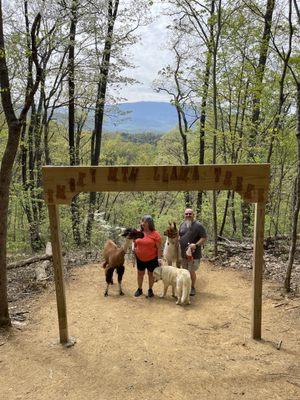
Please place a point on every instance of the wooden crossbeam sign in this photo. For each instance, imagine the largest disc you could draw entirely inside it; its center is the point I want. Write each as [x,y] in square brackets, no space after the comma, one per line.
[61,184]
[251,181]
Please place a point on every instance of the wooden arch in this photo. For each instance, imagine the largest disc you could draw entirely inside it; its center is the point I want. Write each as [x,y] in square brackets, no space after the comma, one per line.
[251,181]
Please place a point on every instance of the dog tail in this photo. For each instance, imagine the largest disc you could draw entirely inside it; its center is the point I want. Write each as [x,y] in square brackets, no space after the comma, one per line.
[185,299]
[178,289]
[184,294]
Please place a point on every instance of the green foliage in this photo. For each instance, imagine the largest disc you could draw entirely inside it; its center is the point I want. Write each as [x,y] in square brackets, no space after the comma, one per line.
[237,86]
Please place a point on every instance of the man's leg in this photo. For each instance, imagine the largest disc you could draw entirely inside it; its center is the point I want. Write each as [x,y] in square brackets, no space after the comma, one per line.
[193,277]
[193,266]
[184,263]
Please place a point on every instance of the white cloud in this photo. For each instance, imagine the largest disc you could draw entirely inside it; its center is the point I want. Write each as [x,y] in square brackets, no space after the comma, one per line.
[149,56]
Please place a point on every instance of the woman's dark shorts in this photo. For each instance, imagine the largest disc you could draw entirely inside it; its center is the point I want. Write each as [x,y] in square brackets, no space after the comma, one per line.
[150,265]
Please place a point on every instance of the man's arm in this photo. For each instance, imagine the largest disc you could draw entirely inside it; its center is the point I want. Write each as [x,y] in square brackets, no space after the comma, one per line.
[202,240]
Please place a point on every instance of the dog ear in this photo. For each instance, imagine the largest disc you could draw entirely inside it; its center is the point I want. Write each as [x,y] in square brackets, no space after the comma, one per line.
[174,225]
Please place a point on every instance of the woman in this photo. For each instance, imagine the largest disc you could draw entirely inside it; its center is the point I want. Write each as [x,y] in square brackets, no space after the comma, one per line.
[148,254]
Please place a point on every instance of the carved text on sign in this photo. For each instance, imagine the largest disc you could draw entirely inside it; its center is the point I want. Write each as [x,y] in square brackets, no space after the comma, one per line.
[115,174]
[133,174]
[195,174]
[61,192]
[218,172]
[173,176]
[248,193]
[261,195]
[165,174]
[72,185]
[227,180]
[62,184]
[112,174]
[183,173]
[125,174]
[239,183]
[93,174]
[50,195]
[81,177]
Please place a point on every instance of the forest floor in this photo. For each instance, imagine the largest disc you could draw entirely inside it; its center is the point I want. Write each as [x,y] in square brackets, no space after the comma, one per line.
[139,348]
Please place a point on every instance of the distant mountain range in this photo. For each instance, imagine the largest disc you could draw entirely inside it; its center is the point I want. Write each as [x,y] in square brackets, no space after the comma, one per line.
[140,117]
[144,116]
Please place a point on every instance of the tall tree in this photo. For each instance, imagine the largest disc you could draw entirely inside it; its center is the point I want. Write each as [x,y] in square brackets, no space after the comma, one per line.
[31,136]
[178,82]
[14,126]
[294,66]
[196,20]
[112,12]
[216,21]
[71,106]
[256,101]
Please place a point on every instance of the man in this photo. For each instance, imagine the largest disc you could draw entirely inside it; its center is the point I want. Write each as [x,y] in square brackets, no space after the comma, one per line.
[191,234]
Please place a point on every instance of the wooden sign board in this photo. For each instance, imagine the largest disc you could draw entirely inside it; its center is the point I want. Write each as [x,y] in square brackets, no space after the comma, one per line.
[251,181]
[61,184]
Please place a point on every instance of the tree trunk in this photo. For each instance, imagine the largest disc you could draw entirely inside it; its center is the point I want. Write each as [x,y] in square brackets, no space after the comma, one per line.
[281,101]
[183,128]
[31,179]
[75,215]
[258,82]
[29,261]
[278,206]
[46,143]
[30,150]
[100,104]
[296,208]
[225,213]
[7,163]
[259,76]
[216,37]
[233,219]
[202,124]
[14,133]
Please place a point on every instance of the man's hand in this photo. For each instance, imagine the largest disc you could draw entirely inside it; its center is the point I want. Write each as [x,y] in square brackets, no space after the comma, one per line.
[193,246]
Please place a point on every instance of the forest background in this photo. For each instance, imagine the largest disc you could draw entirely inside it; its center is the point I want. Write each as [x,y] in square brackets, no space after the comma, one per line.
[234,82]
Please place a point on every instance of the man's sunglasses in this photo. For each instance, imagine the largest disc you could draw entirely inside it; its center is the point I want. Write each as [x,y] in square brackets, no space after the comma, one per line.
[188,214]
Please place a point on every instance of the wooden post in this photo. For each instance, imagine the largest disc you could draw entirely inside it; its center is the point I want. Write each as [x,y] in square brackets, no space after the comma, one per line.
[58,273]
[258,261]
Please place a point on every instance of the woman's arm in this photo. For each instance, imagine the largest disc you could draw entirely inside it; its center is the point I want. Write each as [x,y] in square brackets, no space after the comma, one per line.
[159,249]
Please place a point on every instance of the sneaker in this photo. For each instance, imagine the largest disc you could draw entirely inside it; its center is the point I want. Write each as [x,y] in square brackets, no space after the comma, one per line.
[150,293]
[138,292]
[193,291]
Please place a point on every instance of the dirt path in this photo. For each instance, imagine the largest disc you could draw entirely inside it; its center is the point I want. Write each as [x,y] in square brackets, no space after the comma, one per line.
[146,349]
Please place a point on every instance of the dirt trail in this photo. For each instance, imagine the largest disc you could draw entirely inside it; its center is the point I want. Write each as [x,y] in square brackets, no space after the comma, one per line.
[146,349]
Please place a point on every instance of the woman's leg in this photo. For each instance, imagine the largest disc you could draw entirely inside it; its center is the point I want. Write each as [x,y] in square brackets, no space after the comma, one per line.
[140,278]
[150,279]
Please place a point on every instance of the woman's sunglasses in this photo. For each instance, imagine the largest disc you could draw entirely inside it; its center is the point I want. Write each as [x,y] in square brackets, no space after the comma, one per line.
[188,214]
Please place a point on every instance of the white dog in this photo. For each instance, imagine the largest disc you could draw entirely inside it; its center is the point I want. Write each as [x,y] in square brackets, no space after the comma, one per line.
[179,279]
